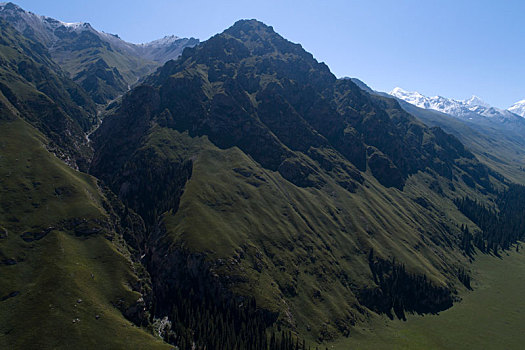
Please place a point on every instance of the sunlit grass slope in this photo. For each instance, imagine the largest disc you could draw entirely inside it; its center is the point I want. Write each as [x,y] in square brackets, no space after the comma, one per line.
[294,248]
[58,289]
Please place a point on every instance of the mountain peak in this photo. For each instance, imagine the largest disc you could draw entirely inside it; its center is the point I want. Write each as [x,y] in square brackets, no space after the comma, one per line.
[10,6]
[251,30]
[259,43]
[249,25]
[167,40]
[476,101]
[413,97]
[518,108]
[472,108]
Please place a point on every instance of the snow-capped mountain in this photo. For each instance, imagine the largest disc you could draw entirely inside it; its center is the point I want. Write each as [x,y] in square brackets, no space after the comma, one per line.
[471,109]
[44,29]
[103,64]
[518,108]
[162,50]
[167,40]
[49,31]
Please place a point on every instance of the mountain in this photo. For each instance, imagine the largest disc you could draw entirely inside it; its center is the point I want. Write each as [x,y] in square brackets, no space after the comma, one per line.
[473,109]
[240,196]
[165,49]
[518,108]
[103,64]
[69,249]
[34,87]
[69,255]
[499,145]
[470,109]
[67,272]
[262,177]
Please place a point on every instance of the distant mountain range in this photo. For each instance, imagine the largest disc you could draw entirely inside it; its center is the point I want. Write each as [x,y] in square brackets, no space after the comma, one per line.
[103,64]
[472,109]
[494,135]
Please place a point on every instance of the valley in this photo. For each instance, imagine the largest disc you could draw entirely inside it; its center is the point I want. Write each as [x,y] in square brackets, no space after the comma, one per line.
[487,318]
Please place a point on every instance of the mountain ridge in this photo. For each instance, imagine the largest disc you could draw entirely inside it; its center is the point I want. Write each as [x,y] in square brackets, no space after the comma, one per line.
[470,109]
[219,128]
[498,145]
[103,64]
[518,108]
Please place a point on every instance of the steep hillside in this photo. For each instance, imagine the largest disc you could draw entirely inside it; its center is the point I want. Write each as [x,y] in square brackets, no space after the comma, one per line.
[69,279]
[39,91]
[260,175]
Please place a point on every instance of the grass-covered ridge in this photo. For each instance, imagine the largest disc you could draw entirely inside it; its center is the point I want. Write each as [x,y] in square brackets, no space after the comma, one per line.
[67,276]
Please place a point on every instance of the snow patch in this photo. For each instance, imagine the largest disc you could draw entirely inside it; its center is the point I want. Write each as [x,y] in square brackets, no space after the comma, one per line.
[518,108]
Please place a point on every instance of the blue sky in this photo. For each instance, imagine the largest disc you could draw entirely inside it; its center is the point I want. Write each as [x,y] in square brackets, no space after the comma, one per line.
[449,48]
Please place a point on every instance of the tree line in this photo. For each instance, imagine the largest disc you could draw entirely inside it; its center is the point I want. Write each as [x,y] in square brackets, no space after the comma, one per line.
[208,322]
[501,226]
[401,291]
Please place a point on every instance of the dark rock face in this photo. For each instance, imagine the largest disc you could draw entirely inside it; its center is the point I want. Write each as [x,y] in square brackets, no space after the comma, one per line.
[249,87]
[299,173]
[31,236]
[385,171]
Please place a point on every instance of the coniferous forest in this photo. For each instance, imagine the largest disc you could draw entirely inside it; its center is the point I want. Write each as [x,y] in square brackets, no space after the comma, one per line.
[501,226]
[401,291]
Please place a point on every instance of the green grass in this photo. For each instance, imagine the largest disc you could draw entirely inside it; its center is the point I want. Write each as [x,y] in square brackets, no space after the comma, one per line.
[490,317]
[53,273]
[302,239]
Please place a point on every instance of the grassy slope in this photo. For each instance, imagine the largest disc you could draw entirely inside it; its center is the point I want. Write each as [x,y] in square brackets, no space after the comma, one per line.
[490,317]
[303,239]
[51,274]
